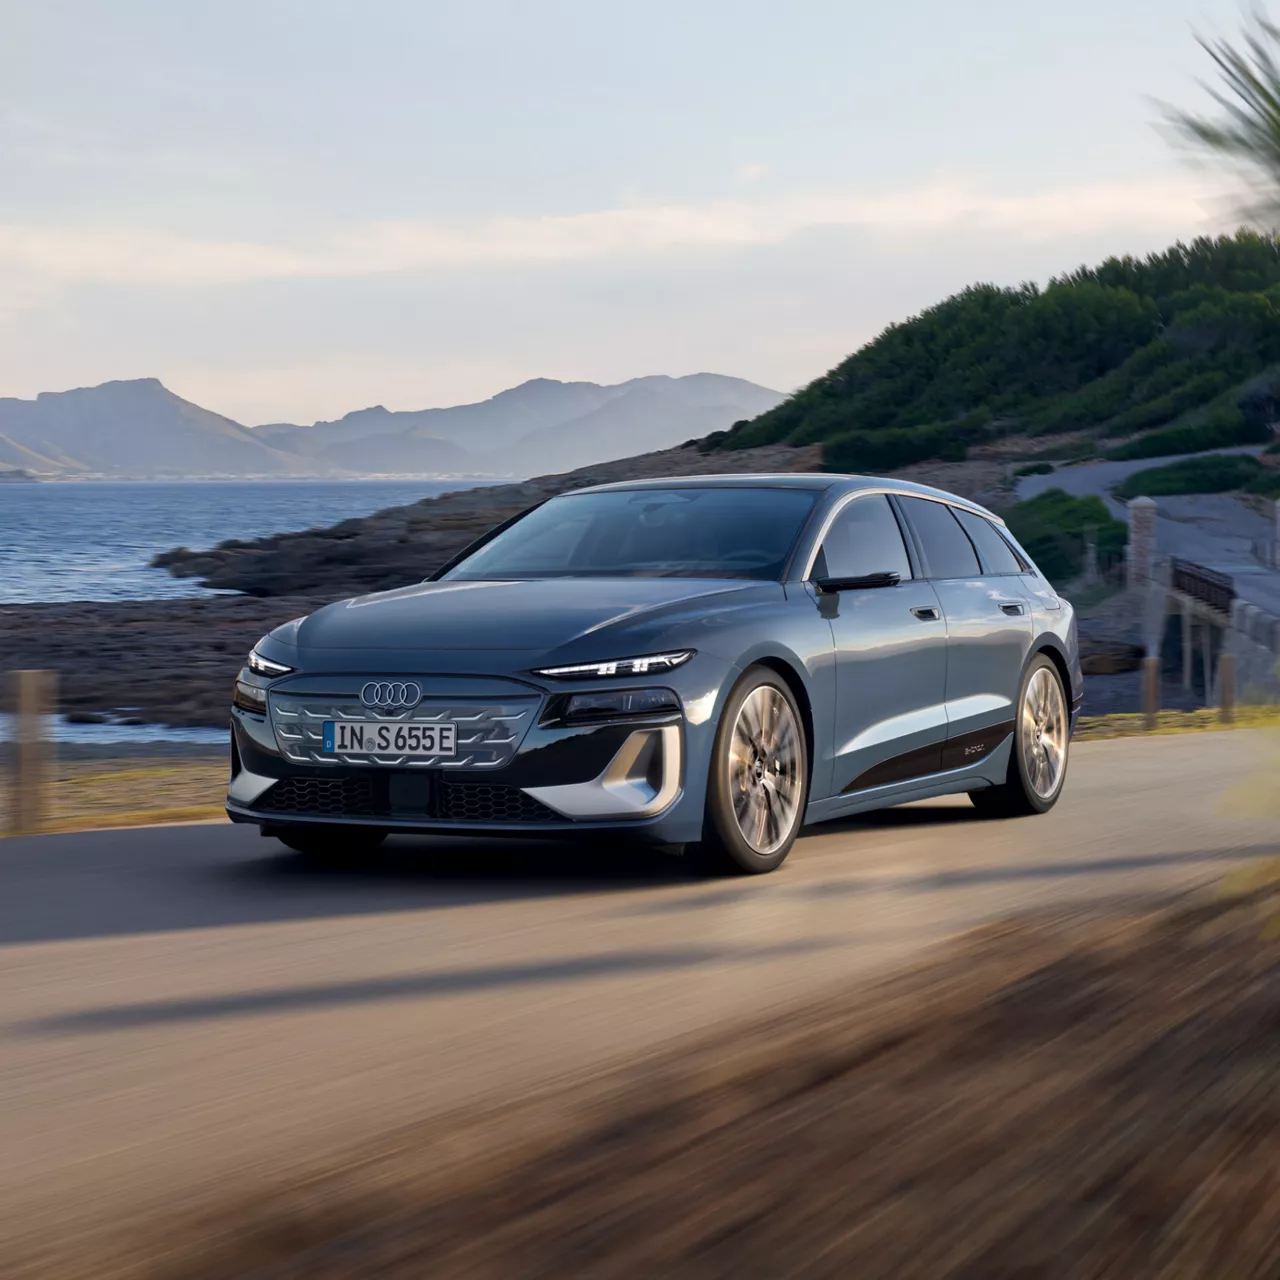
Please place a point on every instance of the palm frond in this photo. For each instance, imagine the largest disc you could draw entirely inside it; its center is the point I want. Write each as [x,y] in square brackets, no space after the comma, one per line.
[1247,132]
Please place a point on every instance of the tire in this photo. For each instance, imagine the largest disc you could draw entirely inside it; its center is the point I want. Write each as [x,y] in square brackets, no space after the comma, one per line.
[332,846]
[1041,737]
[759,778]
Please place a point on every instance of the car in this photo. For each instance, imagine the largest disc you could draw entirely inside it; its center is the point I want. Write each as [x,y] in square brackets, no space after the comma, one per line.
[705,663]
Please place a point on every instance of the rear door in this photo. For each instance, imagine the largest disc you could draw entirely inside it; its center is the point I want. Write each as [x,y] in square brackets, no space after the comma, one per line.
[890,653]
[988,619]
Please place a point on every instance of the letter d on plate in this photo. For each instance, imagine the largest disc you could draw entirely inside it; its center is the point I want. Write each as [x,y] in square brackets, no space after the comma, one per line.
[328,737]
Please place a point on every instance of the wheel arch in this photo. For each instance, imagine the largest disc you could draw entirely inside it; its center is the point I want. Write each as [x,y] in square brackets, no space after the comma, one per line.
[1048,646]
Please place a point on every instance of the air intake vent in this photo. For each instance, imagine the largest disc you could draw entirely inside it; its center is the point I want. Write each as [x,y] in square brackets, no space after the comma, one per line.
[490,802]
[322,797]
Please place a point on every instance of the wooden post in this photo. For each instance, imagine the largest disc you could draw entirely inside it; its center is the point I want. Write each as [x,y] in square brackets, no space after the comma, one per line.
[35,697]
[1091,574]
[1150,689]
[1188,642]
[1227,687]
[1206,642]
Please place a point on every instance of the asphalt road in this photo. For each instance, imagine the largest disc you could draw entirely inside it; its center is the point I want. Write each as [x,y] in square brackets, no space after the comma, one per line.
[184,1011]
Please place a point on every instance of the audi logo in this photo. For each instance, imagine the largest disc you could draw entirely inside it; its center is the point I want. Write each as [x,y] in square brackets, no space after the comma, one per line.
[391,695]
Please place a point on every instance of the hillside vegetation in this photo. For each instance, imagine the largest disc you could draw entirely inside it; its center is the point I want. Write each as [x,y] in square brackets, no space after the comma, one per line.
[1177,351]
[1218,473]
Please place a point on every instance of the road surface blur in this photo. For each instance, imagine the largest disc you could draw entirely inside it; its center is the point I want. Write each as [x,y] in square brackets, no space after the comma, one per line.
[187,1010]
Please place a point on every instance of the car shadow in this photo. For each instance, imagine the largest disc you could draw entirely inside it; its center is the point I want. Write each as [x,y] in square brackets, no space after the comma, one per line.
[525,866]
[107,883]
[918,814]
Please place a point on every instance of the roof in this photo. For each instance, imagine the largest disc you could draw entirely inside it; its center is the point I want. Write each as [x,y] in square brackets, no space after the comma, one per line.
[730,480]
[819,481]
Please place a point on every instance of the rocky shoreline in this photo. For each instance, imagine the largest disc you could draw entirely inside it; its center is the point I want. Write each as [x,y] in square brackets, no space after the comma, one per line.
[164,662]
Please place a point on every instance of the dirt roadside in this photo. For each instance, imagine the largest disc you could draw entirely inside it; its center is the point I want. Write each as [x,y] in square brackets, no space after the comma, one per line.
[1080,1094]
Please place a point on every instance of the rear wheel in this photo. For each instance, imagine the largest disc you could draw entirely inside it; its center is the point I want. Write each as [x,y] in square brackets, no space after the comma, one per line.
[332,846]
[759,779]
[1038,762]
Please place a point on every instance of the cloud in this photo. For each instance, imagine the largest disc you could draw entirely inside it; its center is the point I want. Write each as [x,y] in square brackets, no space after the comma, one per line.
[61,255]
[752,172]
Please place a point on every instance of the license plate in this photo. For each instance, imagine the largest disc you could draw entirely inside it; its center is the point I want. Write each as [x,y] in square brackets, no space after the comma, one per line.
[384,738]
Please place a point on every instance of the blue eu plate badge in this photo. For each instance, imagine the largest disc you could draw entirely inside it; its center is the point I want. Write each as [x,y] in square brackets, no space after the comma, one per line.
[328,736]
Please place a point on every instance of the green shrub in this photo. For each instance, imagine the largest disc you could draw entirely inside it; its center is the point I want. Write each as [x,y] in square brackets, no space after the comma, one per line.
[1035,469]
[1162,409]
[1216,473]
[1052,527]
[1266,482]
[1219,428]
[874,451]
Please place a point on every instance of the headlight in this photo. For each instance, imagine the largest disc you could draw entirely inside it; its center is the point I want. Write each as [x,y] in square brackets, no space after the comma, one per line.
[265,667]
[249,697]
[611,703]
[648,665]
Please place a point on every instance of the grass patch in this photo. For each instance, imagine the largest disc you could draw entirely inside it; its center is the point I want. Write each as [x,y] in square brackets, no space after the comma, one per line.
[1124,725]
[1220,429]
[85,795]
[1217,473]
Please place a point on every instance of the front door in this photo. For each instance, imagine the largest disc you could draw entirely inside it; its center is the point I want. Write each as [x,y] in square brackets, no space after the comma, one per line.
[890,650]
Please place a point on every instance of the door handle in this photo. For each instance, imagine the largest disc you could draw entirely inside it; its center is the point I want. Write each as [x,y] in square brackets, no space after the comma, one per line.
[1013,610]
[926,613]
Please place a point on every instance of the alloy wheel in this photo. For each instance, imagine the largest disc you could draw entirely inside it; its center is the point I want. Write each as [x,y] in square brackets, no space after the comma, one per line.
[765,763]
[1044,733]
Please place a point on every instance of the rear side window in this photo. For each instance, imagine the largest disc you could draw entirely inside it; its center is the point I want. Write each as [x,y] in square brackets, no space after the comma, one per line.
[864,538]
[948,553]
[997,555]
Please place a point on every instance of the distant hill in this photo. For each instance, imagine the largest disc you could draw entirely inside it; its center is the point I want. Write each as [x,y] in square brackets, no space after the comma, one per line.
[140,428]
[1176,352]
[540,426]
[137,428]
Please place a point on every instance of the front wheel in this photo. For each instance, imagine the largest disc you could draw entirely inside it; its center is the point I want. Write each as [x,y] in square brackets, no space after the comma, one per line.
[1038,762]
[759,780]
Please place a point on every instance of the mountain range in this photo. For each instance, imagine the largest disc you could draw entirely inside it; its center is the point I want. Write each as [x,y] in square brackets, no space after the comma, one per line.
[140,428]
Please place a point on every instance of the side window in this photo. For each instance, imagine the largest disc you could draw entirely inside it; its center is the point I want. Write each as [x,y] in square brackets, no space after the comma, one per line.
[864,538]
[948,553]
[997,555]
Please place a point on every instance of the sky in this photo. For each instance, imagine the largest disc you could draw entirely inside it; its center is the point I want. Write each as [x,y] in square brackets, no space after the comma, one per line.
[289,209]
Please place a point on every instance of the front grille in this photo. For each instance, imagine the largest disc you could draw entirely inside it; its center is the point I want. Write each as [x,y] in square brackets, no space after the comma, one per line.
[322,797]
[488,733]
[489,802]
[376,795]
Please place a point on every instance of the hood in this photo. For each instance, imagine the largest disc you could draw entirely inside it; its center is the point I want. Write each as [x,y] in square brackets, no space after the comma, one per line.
[528,616]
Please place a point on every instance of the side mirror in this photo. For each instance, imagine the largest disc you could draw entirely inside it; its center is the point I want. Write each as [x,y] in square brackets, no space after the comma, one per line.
[829,586]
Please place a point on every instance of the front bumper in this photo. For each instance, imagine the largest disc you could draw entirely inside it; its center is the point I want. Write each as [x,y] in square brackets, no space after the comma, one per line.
[514,775]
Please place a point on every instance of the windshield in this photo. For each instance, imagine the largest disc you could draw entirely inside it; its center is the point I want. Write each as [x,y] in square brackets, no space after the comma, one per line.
[678,532]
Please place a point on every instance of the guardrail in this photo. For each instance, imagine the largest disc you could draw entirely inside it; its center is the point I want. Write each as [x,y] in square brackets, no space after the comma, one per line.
[1210,587]
[34,697]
